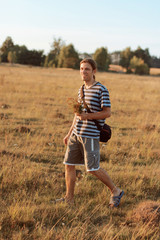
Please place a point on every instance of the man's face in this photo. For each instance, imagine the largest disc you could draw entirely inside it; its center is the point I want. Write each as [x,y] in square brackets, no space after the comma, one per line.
[86,72]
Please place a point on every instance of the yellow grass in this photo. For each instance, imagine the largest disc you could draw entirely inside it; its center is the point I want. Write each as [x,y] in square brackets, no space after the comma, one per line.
[155,71]
[34,118]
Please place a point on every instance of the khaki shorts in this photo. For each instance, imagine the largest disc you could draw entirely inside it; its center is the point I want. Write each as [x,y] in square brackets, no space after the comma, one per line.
[83,151]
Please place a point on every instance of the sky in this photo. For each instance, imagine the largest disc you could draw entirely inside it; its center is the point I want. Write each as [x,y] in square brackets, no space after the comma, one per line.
[87,24]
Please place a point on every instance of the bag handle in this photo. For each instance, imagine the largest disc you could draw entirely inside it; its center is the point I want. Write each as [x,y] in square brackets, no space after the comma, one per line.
[88,109]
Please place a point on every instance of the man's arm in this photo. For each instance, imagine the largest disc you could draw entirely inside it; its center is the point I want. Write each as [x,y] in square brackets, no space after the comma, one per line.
[65,140]
[105,113]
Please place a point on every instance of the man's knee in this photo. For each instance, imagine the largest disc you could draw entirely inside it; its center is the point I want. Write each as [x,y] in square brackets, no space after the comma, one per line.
[69,168]
[94,172]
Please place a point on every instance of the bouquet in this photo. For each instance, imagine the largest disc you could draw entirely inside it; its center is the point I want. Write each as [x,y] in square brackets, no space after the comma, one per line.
[75,105]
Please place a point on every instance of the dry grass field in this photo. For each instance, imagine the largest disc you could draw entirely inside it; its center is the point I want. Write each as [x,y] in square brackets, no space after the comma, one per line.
[34,118]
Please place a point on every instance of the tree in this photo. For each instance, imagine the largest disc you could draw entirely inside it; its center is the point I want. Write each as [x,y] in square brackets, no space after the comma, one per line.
[5,48]
[138,66]
[55,51]
[9,57]
[126,56]
[142,69]
[50,60]
[29,57]
[135,62]
[143,54]
[22,52]
[12,57]
[46,61]
[68,57]
[34,57]
[102,59]
[155,62]
[7,44]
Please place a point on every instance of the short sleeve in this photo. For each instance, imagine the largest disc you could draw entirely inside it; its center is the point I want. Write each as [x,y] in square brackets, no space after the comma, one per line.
[104,97]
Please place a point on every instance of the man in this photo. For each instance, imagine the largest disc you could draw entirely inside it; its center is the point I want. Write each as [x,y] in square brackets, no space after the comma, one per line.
[82,139]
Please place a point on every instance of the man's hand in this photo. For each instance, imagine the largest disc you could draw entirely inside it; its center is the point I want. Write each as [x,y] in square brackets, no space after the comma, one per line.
[65,139]
[82,116]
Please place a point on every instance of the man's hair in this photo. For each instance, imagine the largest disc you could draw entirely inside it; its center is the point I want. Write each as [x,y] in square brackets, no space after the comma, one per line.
[90,61]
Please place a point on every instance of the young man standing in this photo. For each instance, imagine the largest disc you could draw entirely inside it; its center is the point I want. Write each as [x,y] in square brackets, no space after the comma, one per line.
[82,139]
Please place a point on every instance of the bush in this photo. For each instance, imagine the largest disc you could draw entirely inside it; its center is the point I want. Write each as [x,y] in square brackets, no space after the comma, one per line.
[142,69]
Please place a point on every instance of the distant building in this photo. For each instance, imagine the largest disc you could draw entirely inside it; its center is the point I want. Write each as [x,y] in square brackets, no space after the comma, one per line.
[84,55]
[115,57]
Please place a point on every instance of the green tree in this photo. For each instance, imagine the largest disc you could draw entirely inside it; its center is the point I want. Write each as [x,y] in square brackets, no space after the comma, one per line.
[155,62]
[5,48]
[68,57]
[29,57]
[102,59]
[126,56]
[22,52]
[138,66]
[34,57]
[143,54]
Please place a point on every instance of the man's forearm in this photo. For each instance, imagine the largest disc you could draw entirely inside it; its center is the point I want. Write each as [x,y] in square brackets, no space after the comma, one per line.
[71,128]
[98,115]
[106,113]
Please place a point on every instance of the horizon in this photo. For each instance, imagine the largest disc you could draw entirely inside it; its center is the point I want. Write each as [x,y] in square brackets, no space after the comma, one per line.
[87,25]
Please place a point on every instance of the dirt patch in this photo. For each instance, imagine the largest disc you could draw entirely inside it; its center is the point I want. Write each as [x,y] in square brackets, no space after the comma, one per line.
[149,127]
[146,212]
[8,226]
[59,115]
[23,129]
[3,116]
[155,154]
[5,106]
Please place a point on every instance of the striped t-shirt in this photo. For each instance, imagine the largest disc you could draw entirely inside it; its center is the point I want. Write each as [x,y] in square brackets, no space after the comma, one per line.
[96,97]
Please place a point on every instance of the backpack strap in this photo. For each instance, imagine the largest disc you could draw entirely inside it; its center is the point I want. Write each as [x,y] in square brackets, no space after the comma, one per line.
[82,97]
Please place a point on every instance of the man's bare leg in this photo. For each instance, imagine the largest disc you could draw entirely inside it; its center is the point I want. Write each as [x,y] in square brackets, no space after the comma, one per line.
[70,176]
[102,175]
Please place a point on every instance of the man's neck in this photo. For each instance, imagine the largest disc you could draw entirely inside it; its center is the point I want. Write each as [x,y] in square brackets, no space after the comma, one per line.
[89,84]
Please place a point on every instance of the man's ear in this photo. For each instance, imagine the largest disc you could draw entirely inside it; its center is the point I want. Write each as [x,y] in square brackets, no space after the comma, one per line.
[94,71]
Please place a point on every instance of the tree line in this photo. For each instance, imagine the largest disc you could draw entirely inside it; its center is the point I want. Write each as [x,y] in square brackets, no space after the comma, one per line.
[65,56]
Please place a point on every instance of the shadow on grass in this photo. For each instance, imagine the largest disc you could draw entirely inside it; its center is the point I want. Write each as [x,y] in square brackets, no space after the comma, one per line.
[8,226]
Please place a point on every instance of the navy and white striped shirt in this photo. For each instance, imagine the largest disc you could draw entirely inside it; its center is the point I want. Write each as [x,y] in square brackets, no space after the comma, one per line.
[96,97]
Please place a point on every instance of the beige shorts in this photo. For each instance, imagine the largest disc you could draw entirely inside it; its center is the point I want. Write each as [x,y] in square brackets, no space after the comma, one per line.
[83,151]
